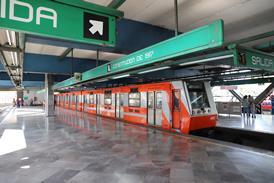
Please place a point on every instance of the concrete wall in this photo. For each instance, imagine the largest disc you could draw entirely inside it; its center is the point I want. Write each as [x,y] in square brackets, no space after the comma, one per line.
[31,94]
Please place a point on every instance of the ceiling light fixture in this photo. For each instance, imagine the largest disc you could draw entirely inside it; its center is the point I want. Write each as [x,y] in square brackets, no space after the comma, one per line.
[101,80]
[121,76]
[206,59]
[8,36]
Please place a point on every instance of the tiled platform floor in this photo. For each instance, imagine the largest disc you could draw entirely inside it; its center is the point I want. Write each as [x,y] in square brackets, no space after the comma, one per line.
[74,147]
[262,123]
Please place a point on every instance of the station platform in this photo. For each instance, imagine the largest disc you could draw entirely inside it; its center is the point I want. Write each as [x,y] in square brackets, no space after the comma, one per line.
[77,147]
[262,123]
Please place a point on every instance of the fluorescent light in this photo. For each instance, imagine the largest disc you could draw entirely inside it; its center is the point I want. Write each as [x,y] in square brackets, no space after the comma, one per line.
[12,58]
[13,38]
[101,80]
[235,72]
[25,167]
[206,59]
[152,70]
[15,58]
[8,36]
[121,76]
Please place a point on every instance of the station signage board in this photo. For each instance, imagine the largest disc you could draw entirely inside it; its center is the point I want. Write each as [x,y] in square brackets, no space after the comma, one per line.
[58,20]
[254,59]
[206,37]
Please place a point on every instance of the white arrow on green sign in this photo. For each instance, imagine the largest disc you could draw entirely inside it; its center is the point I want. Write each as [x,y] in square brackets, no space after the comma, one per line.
[58,20]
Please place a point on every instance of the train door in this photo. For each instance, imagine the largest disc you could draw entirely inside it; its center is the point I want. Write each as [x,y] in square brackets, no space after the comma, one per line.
[98,103]
[176,95]
[84,103]
[76,102]
[68,101]
[119,105]
[155,108]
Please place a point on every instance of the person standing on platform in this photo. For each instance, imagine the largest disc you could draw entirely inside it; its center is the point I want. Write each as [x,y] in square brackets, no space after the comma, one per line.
[252,106]
[18,103]
[245,106]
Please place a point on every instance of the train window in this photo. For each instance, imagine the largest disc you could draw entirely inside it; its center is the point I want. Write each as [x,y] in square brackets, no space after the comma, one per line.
[176,100]
[107,99]
[86,99]
[159,100]
[91,98]
[80,99]
[197,95]
[73,98]
[67,98]
[134,99]
[150,100]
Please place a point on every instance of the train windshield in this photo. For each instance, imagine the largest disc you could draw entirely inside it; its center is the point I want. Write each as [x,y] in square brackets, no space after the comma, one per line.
[197,95]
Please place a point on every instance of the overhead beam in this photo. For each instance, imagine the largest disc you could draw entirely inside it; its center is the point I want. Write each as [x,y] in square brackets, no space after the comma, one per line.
[266,47]
[52,64]
[243,82]
[8,84]
[34,77]
[253,38]
[65,53]
[115,4]
[10,49]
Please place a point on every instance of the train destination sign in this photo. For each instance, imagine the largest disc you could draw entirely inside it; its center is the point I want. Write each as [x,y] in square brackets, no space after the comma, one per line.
[58,20]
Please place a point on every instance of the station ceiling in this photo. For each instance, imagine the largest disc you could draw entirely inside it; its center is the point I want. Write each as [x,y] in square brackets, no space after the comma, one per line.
[145,23]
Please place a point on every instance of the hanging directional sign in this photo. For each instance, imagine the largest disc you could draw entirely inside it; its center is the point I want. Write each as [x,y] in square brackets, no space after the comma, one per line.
[58,20]
[245,57]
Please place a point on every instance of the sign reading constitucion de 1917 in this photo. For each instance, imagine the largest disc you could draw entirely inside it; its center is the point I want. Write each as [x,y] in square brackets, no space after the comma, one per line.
[57,20]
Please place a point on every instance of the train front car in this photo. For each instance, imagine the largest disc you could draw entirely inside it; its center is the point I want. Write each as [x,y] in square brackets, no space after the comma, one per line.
[193,106]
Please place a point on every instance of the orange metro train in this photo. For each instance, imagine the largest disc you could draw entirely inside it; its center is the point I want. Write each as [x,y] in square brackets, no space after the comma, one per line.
[176,105]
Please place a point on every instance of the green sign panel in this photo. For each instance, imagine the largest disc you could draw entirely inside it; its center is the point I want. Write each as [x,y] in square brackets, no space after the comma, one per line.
[58,20]
[203,38]
[254,59]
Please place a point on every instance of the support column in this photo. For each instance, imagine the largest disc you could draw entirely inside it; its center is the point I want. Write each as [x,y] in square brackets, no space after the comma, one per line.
[235,94]
[49,98]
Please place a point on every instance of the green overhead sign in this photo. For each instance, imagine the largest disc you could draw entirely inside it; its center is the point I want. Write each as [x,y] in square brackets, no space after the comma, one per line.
[203,38]
[251,58]
[58,20]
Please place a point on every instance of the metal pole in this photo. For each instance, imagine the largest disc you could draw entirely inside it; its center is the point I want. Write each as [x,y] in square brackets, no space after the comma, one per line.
[72,59]
[176,17]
